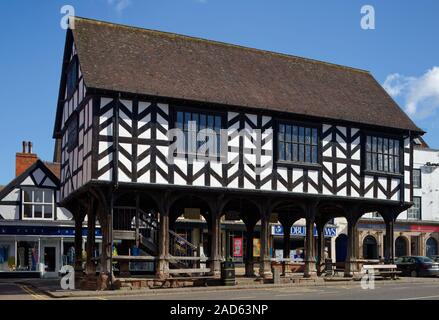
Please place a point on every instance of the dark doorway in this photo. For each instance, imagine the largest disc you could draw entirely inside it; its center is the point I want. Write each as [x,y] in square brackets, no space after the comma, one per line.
[370,248]
[50,259]
[341,247]
[431,247]
[400,247]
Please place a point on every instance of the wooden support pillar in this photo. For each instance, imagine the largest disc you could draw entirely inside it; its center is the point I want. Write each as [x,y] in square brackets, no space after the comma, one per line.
[79,219]
[390,242]
[90,267]
[352,218]
[215,230]
[265,266]
[320,248]
[249,266]
[310,261]
[162,269]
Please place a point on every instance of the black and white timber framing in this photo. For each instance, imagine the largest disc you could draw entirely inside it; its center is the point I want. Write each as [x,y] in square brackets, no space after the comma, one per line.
[122,147]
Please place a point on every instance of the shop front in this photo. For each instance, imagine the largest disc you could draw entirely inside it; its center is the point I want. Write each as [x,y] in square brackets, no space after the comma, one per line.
[30,251]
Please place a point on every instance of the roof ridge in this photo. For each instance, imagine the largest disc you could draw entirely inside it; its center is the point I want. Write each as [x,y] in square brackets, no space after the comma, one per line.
[215,42]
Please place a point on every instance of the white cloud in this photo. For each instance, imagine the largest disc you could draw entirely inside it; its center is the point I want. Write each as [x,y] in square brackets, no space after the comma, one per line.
[119,5]
[420,94]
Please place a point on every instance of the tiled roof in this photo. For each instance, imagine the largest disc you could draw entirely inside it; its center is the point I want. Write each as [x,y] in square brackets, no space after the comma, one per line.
[141,61]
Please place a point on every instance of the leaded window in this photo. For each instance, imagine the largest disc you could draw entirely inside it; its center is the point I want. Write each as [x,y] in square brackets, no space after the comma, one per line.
[298,144]
[191,123]
[382,154]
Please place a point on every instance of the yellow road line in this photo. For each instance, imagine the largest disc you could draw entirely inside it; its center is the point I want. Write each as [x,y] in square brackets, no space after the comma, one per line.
[33,293]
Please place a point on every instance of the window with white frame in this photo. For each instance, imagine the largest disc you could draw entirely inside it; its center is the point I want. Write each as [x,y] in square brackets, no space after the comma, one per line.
[414,213]
[38,204]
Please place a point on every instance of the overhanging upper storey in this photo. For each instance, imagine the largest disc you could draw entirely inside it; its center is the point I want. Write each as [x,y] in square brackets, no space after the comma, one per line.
[277,123]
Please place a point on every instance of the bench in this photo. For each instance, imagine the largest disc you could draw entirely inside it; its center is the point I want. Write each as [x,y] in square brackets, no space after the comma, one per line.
[382,270]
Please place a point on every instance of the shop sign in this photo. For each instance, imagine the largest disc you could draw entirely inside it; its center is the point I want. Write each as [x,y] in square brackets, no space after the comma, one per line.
[301,231]
[43,231]
[237,247]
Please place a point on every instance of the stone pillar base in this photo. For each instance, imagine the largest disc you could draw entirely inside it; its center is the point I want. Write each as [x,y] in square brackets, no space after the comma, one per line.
[310,269]
[162,270]
[265,269]
[215,268]
[249,269]
[350,268]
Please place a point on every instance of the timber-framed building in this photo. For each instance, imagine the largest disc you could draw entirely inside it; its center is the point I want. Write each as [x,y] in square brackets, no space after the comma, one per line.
[331,143]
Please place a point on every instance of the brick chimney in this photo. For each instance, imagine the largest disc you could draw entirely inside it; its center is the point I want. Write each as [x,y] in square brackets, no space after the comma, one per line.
[24,159]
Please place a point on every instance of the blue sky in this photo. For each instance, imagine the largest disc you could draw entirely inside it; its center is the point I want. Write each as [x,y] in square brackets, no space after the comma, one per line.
[402,52]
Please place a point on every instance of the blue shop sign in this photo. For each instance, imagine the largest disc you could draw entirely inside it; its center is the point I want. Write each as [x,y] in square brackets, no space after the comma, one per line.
[301,231]
[43,231]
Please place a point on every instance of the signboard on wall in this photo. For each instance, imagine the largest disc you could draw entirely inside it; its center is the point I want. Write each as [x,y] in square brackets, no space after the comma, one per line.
[237,247]
[256,247]
[301,231]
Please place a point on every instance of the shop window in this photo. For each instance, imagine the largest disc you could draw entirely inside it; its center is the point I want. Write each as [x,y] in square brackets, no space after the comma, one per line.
[27,256]
[38,204]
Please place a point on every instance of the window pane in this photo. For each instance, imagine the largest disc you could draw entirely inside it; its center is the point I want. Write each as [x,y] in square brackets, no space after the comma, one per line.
[386,146]
[38,211]
[27,211]
[27,195]
[288,133]
[308,136]
[397,170]
[301,134]
[187,118]
[281,133]
[210,122]
[380,162]
[386,163]
[281,151]
[288,151]
[380,145]
[368,161]
[396,148]
[391,146]
[203,121]
[307,153]
[369,144]
[179,123]
[48,212]
[301,153]
[295,152]
[314,155]
[374,144]
[217,124]
[38,196]
[391,162]
[295,134]
[374,162]
[48,196]
[314,137]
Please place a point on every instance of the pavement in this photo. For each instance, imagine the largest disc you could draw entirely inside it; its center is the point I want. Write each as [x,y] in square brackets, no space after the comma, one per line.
[403,288]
